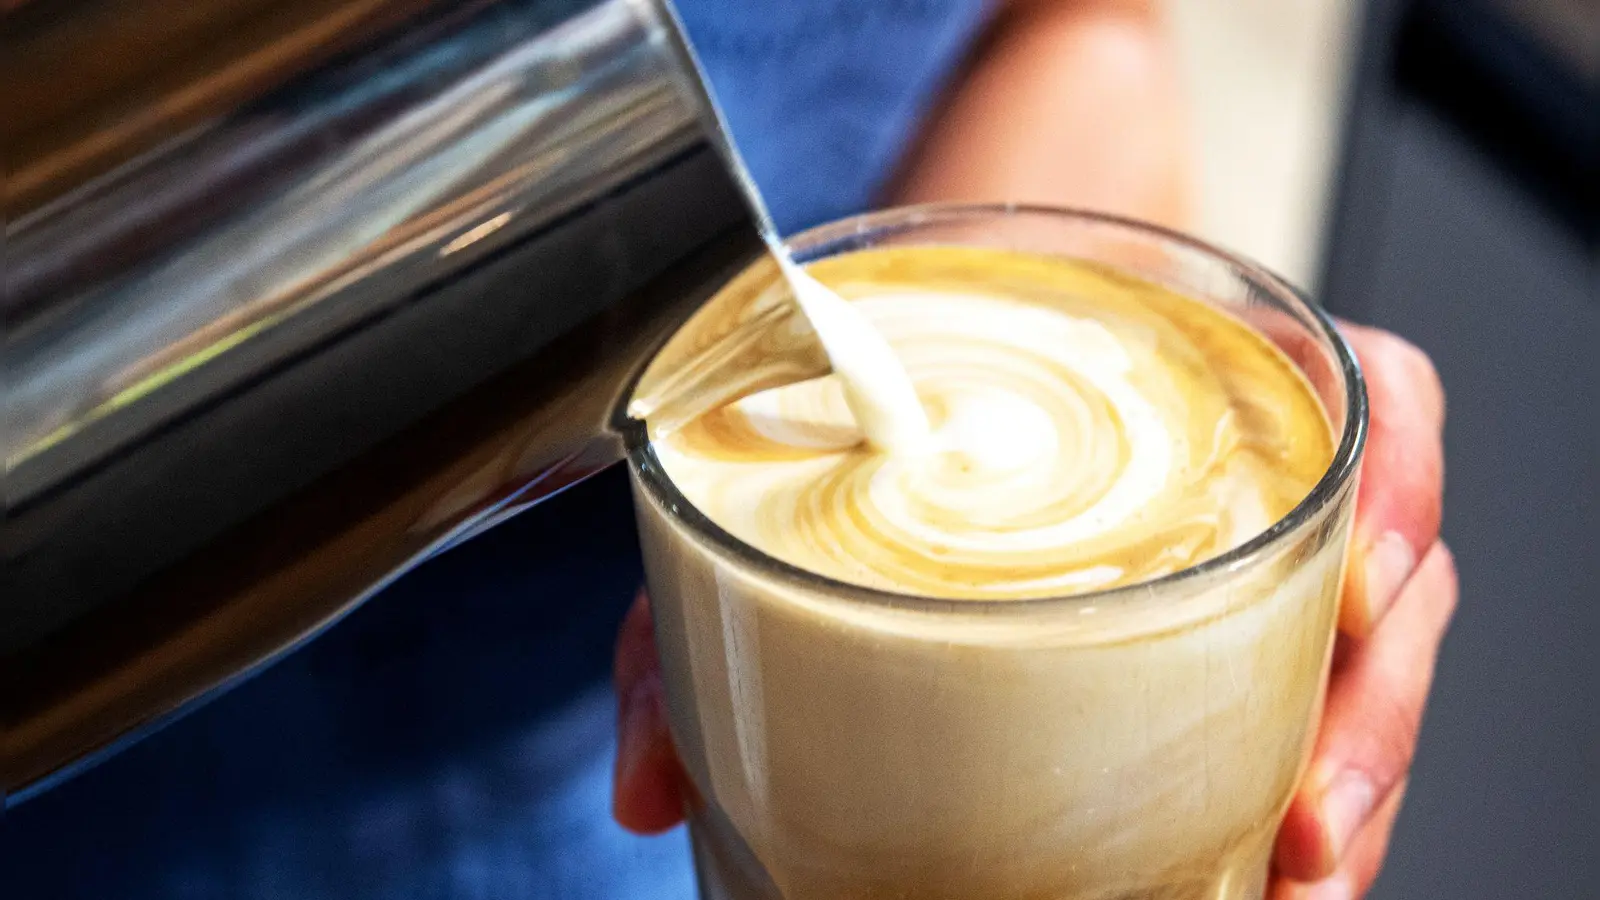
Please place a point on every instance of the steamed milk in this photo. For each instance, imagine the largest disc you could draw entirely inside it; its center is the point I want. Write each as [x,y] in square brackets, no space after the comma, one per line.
[1088,431]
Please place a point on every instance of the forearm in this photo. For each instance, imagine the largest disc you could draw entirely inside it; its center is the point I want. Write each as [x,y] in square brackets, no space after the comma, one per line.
[1069,103]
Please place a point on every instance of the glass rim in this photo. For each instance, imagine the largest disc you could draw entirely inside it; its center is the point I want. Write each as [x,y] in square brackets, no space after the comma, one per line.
[824,240]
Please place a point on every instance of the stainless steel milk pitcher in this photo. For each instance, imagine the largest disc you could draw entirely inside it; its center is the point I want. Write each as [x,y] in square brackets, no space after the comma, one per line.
[298,293]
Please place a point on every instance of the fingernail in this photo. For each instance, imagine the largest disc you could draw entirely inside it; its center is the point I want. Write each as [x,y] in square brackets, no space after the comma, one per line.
[1336,887]
[1389,562]
[1345,807]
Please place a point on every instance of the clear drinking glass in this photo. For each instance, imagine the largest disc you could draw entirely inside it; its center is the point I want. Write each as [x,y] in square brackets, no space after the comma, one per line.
[845,743]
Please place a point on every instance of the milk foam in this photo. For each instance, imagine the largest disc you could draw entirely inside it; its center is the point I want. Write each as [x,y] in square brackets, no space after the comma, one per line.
[882,400]
[1086,431]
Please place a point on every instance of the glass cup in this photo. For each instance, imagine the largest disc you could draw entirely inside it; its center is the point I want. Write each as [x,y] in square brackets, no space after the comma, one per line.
[844,743]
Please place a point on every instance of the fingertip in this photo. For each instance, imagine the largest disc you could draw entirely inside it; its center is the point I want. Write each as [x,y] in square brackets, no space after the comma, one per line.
[1369,734]
[1303,851]
[1400,499]
[1334,887]
[1329,811]
[647,809]
[1395,366]
[1356,870]
[646,796]
[1438,592]
[1379,571]
[648,781]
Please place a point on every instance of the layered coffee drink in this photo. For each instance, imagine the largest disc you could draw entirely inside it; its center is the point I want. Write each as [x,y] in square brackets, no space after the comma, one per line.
[1054,654]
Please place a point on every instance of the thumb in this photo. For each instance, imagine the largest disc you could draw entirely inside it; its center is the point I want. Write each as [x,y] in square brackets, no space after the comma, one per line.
[647,795]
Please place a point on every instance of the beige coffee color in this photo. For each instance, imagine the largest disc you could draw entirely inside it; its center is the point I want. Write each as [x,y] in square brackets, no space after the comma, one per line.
[974,732]
[1089,431]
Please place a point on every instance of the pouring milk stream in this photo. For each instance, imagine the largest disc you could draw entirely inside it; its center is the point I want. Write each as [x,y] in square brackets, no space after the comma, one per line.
[877,389]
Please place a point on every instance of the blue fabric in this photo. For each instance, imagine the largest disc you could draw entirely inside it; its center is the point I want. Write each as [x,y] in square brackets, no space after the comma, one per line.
[453,738]
[823,95]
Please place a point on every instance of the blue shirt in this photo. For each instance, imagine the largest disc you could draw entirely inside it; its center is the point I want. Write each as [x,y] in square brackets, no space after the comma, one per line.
[454,737]
[823,96]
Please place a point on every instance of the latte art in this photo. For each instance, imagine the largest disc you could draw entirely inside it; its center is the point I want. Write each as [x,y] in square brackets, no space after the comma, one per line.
[1088,431]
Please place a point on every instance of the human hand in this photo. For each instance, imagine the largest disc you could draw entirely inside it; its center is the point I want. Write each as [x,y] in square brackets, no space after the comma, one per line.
[1399,596]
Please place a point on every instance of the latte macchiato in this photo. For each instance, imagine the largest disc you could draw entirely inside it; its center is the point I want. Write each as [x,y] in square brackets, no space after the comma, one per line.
[901,675]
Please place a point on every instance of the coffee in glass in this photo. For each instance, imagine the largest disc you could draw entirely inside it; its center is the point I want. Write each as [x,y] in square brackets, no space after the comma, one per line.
[1076,646]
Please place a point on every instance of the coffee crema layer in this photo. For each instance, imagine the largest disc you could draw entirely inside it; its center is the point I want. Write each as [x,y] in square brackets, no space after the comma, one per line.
[1089,430]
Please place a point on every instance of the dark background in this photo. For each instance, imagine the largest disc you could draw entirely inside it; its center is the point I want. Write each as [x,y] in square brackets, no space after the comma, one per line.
[1465,219]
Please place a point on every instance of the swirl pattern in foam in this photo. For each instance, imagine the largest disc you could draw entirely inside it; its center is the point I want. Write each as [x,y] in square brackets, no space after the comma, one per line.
[1089,430]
